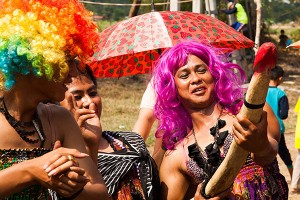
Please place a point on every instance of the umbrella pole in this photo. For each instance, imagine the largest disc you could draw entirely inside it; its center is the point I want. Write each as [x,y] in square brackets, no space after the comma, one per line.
[152,6]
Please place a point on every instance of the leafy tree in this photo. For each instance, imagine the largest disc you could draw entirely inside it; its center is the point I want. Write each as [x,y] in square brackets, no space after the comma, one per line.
[110,12]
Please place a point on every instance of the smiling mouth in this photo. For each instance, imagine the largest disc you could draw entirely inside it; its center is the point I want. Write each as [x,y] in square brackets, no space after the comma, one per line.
[197,90]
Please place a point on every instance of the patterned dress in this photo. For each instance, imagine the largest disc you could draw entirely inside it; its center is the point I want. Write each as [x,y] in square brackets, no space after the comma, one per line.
[9,158]
[253,182]
[129,172]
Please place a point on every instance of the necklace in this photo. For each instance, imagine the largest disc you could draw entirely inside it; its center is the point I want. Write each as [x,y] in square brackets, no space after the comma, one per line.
[25,129]
[210,158]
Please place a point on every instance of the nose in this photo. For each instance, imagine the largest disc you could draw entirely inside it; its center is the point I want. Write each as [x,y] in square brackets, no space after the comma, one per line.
[86,101]
[195,78]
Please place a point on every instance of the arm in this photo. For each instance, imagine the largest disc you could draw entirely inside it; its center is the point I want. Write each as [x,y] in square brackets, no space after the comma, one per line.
[72,138]
[144,122]
[268,154]
[260,139]
[174,184]
[159,152]
[283,107]
[146,116]
[22,175]
[230,11]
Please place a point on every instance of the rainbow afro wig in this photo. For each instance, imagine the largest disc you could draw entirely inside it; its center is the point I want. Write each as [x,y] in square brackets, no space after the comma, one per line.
[41,36]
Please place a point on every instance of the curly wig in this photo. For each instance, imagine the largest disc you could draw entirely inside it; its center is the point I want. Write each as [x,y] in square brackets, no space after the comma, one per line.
[174,120]
[40,36]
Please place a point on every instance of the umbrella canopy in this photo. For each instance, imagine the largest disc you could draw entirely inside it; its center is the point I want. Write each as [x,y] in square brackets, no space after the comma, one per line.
[295,45]
[131,46]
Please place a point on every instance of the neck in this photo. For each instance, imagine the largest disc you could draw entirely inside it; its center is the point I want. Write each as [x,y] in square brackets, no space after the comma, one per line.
[206,117]
[273,83]
[20,104]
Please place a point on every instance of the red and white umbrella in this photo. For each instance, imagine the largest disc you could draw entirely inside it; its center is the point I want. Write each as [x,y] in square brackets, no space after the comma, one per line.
[131,46]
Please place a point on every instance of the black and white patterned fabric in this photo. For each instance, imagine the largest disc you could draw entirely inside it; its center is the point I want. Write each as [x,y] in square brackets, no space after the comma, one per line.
[114,166]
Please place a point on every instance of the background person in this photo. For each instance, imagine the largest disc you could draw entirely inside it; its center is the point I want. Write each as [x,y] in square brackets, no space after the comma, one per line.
[198,97]
[146,117]
[39,40]
[146,120]
[122,157]
[296,172]
[279,103]
[283,39]
[240,13]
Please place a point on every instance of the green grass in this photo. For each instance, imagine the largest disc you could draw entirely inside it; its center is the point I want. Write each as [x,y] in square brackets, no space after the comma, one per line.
[121,99]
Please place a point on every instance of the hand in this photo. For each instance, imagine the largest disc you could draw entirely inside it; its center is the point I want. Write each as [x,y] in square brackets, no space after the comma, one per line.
[222,195]
[249,136]
[53,170]
[70,182]
[87,120]
[61,162]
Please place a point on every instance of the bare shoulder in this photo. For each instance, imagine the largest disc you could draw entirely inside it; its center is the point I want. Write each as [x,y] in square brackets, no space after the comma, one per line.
[60,117]
[56,110]
[58,114]
[175,181]
[176,157]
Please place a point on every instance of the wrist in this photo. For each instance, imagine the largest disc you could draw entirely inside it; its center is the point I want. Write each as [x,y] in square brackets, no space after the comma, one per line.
[264,157]
[29,171]
[73,196]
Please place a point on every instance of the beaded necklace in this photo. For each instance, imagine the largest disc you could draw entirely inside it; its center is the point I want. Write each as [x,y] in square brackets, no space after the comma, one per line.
[25,129]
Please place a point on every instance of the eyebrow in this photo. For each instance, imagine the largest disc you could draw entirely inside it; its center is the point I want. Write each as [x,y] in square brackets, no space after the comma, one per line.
[78,91]
[197,66]
[201,65]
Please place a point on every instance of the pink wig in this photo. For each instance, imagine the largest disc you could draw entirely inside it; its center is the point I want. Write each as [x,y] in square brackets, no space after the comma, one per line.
[175,122]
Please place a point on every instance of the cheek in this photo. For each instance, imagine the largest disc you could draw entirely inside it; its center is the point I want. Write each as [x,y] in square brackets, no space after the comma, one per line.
[183,89]
[99,106]
[97,101]
[181,84]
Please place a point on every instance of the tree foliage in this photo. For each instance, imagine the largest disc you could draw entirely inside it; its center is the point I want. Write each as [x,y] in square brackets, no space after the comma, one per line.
[273,11]
[279,11]
[110,12]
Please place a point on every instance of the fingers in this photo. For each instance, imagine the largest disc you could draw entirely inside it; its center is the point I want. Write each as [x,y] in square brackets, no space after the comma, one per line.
[60,165]
[78,170]
[57,144]
[92,106]
[242,123]
[76,174]
[243,128]
[62,183]
[71,103]
[197,194]
[84,115]
[69,183]
[60,162]
[263,124]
